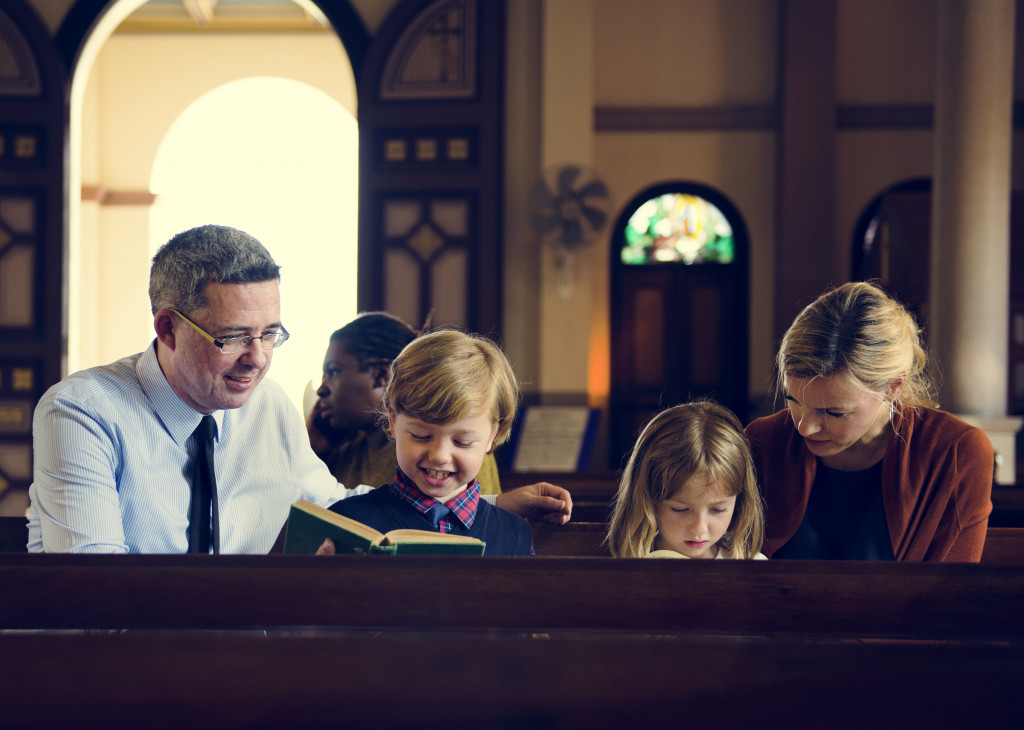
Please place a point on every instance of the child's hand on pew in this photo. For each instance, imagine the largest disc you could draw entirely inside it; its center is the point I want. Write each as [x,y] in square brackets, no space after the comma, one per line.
[540,502]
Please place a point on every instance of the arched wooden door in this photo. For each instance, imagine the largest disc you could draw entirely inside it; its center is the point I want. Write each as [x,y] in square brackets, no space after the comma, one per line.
[679,307]
[892,244]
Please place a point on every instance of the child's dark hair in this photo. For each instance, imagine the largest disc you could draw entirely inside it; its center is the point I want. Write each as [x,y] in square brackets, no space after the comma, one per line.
[374,337]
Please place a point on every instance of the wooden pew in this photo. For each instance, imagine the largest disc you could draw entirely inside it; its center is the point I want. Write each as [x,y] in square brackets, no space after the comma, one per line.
[174,680]
[759,598]
[13,534]
[575,539]
[1003,545]
[1007,506]
[592,493]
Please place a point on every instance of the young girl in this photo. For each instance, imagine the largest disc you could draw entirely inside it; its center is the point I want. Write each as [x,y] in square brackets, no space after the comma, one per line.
[451,399]
[688,490]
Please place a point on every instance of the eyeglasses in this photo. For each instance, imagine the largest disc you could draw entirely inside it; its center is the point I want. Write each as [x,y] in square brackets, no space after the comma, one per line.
[235,345]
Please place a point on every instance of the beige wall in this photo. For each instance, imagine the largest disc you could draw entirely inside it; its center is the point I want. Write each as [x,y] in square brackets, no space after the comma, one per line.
[684,54]
[886,51]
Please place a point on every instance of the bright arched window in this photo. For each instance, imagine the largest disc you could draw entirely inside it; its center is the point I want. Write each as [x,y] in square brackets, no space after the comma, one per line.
[678,227]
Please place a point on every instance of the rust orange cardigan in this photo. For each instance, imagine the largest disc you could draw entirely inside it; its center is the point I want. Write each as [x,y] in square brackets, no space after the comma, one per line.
[936,482]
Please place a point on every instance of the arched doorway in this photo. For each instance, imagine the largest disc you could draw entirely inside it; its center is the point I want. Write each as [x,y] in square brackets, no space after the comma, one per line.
[679,278]
[891,242]
[133,92]
[301,205]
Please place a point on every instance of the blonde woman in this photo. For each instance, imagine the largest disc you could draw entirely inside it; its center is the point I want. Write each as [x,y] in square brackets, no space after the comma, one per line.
[861,465]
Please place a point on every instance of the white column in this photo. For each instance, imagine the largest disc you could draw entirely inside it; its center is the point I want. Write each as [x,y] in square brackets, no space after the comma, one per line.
[970,249]
[970,257]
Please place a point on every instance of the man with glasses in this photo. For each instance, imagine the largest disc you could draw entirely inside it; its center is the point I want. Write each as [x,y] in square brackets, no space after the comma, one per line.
[116,447]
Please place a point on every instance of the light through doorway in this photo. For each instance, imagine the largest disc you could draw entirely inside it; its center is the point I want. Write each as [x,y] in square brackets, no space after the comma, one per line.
[277,159]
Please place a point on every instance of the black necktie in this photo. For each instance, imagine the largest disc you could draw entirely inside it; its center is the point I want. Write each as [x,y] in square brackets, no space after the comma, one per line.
[204,491]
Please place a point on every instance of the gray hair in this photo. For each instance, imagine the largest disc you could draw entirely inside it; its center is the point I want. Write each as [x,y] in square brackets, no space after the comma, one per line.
[184,265]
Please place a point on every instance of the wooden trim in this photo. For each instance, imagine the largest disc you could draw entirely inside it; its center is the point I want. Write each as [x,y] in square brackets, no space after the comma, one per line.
[103,196]
[685,119]
[891,116]
[93,194]
[765,117]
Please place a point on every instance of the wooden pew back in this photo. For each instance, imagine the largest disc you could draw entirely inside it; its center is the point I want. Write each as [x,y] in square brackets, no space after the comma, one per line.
[13,534]
[808,598]
[1003,545]
[174,681]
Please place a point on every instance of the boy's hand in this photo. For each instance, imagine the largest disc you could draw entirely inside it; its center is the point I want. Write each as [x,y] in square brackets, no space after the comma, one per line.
[541,502]
[327,548]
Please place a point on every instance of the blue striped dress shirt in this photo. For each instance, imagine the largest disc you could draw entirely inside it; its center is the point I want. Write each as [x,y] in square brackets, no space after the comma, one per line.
[113,457]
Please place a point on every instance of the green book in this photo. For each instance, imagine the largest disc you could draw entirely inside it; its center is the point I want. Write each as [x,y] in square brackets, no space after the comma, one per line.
[309,525]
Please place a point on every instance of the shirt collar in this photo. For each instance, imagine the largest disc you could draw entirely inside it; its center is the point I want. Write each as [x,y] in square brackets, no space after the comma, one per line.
[463,507]
[177,416]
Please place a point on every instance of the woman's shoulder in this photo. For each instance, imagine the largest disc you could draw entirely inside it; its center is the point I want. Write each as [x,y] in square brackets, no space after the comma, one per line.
[937,424]
[932,434]
[769,426]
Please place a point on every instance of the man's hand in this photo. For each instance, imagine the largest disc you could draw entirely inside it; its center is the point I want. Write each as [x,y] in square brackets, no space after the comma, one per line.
[541,502]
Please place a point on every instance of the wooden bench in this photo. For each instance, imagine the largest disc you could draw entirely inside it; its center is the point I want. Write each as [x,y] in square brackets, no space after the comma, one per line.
[593,492]
[1003,545]
[761,598]
[174,680]
[13,534]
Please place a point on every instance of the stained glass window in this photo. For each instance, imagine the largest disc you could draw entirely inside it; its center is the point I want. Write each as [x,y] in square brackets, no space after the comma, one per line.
[678,227]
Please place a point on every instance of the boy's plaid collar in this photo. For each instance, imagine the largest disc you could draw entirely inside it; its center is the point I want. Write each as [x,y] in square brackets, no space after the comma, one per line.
[463,507]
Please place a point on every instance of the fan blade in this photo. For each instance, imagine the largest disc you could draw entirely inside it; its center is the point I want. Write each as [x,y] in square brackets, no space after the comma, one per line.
[595,218]
[566,177]
[592,188]
[545,223]
[542,196]
[572,232]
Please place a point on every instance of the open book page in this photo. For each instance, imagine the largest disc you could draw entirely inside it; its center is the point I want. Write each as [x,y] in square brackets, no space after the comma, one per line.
[395,537]
[309,525]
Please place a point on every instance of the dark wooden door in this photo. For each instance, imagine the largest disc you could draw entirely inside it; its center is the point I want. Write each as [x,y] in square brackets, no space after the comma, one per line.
[679,332]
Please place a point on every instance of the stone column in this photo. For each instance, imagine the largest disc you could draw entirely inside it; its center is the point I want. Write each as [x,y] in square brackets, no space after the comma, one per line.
[970,249]
[807,259]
